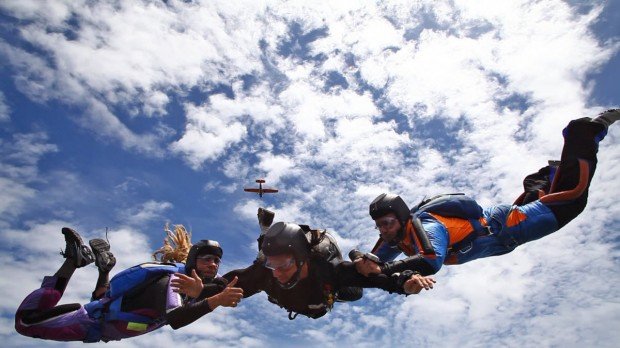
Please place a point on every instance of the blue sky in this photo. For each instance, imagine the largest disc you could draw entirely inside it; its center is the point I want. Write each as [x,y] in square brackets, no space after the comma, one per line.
[129,115]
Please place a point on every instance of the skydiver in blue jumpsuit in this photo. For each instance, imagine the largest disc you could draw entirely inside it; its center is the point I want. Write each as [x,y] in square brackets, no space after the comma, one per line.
[552,198]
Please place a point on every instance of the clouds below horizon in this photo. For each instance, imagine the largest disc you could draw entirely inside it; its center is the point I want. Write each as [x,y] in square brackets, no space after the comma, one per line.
[333,103]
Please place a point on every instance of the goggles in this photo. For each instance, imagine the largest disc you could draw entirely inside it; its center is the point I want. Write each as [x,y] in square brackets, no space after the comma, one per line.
[209,258]
[386,222]
[280,265]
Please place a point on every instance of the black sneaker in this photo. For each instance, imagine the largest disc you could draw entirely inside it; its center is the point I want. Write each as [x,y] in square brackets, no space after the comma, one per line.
[75,249]
[104,259]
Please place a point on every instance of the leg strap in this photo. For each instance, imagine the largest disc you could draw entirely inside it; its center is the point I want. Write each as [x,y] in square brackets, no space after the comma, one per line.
[569,195]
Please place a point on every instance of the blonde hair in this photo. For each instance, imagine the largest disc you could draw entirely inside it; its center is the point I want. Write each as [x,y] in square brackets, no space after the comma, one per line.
[176,245]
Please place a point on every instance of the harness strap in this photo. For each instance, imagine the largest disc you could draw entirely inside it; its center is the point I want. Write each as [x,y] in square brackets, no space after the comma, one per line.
[377,245]
[576,192]
[94,310]
[421,237]
[460,240]
[114,313]
[465,243]
[479,229]
[109,309]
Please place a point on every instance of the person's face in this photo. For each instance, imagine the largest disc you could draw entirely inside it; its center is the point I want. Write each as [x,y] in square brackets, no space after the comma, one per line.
[282,267]
[207,265]
[388,226]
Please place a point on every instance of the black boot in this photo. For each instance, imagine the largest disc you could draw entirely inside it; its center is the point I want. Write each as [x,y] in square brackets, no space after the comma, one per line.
[104,259]
[75,249]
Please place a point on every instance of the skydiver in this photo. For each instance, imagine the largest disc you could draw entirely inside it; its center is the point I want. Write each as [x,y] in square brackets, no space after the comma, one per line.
[546,206]
[151,304]
[306,278]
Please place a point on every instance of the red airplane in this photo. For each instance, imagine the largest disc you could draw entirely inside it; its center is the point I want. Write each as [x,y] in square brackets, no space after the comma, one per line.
[260,190]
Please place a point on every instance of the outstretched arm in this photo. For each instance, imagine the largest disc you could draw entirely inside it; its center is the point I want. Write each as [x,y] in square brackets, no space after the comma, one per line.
[415,263]
[192,311]
[406,282]
[251,279]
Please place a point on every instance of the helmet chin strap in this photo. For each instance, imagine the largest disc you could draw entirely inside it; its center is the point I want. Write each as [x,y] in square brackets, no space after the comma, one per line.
[294,279]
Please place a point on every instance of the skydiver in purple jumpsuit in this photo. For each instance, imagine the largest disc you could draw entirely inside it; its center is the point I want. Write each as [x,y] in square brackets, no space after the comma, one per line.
[39,316]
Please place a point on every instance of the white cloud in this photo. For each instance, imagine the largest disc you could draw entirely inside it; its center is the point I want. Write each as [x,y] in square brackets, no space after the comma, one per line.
[41,83]
[293,212]
[22,153]
[236,166]
[275,166]
[4,108]
[115,58]
[145,212]
[54,12]
[20,156]
[155,103]
[209,133]
[13,196]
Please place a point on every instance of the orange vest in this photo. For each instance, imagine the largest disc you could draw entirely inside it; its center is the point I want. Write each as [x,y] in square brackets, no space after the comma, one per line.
[406,245]
[458,229]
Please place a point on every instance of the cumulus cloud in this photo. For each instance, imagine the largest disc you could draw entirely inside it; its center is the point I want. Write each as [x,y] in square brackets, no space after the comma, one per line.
[113,58]
[20,156]
[208,135]
[145,212]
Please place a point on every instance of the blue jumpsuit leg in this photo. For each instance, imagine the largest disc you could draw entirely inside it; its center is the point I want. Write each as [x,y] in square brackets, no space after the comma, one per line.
[539,222]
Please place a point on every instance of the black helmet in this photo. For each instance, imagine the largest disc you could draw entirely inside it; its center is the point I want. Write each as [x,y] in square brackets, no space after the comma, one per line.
[390,203]
[287,238]
[205,246]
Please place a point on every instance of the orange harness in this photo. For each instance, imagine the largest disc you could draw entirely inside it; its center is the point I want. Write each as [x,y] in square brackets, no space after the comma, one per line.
[459,229]
[406,245]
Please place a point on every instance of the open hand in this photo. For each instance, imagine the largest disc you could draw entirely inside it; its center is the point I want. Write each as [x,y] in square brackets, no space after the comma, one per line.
[417,282]
[190,286]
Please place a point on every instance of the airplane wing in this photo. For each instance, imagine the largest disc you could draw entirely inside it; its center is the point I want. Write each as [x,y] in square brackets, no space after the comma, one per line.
[252,190]
[269,190]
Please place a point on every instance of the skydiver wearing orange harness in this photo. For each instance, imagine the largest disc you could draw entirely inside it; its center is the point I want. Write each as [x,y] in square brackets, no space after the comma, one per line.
[454,229]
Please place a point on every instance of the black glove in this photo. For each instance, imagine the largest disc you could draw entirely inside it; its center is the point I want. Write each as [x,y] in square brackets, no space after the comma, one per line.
[356,254]
[403,276]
